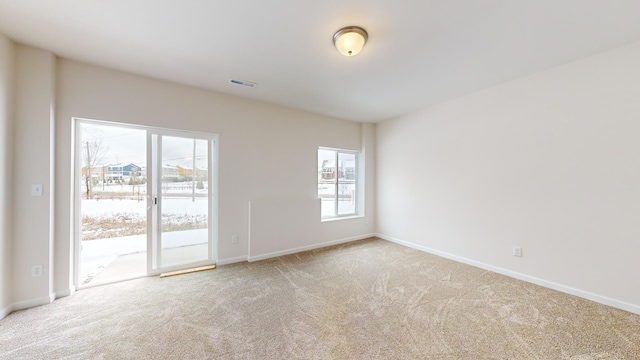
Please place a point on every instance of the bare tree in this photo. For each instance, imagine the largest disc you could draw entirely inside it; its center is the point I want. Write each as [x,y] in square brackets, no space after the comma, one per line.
[93,153]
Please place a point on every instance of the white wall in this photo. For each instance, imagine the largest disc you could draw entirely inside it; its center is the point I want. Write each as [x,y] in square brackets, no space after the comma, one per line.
[7,65]
[550,162]
[32,164]
[266,151]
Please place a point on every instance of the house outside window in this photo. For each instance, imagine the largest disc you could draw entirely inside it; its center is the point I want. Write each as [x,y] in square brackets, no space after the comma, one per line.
[337,182]
[119,172]
[114,172]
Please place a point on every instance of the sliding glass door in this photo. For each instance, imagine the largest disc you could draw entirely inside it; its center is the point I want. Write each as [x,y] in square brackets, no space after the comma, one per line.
[145,201]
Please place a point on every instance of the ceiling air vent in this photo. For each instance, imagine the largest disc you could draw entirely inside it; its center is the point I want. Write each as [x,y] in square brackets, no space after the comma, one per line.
[248,84]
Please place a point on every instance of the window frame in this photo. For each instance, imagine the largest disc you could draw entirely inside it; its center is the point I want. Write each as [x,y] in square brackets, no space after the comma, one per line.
[356,181]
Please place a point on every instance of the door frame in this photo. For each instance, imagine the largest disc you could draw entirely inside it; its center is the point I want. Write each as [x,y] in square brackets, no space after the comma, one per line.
[75,213]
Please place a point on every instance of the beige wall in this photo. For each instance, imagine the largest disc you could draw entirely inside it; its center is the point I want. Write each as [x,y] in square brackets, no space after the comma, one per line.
[7,66]
[549,162]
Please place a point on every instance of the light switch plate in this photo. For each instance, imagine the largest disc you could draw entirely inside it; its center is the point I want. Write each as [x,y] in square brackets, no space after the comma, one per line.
[36,189]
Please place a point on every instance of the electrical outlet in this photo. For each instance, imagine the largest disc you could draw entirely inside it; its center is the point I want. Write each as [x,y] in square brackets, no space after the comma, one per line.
[36,270]
[517,251]
[234,239]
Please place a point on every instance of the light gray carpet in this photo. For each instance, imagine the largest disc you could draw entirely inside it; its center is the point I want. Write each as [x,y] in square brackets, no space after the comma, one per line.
[369,299]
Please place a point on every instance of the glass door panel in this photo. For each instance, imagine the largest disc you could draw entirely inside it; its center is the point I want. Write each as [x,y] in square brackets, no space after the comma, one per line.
[111,191]
[183,202]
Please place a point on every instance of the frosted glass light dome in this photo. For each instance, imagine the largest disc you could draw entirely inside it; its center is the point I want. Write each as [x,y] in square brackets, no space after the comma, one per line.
[350,40]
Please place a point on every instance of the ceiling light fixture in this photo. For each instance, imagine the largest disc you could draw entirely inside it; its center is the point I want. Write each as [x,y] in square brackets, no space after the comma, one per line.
[350,40]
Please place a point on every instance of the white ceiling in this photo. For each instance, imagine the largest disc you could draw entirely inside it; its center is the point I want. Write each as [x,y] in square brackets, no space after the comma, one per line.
[420,52]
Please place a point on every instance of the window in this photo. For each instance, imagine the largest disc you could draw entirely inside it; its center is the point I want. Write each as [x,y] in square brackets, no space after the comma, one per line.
[337,182]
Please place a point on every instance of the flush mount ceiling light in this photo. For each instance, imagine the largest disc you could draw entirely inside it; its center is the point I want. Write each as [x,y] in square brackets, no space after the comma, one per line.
[350,40]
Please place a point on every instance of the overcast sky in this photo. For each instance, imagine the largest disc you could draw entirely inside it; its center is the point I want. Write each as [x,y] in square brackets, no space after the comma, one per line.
[125,145]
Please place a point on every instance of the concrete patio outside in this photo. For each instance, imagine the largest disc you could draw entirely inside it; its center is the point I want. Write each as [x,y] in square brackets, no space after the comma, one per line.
[112,259]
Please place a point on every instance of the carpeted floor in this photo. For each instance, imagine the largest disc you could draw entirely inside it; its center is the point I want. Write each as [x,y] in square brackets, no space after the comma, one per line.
[370,299]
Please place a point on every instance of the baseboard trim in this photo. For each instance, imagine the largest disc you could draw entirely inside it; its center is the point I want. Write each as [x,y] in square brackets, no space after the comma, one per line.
[6,311]
[309,247]
[63,293]
[520,276]
[31,303]
[34,302]
[228,261]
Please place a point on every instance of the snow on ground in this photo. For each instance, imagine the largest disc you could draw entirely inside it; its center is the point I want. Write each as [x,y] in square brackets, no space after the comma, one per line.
[346,202]
[103,208]
[179,206]
[102,218]
[134,191]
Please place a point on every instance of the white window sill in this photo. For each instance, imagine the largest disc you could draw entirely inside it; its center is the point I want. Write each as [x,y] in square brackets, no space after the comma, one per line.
[341,218]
